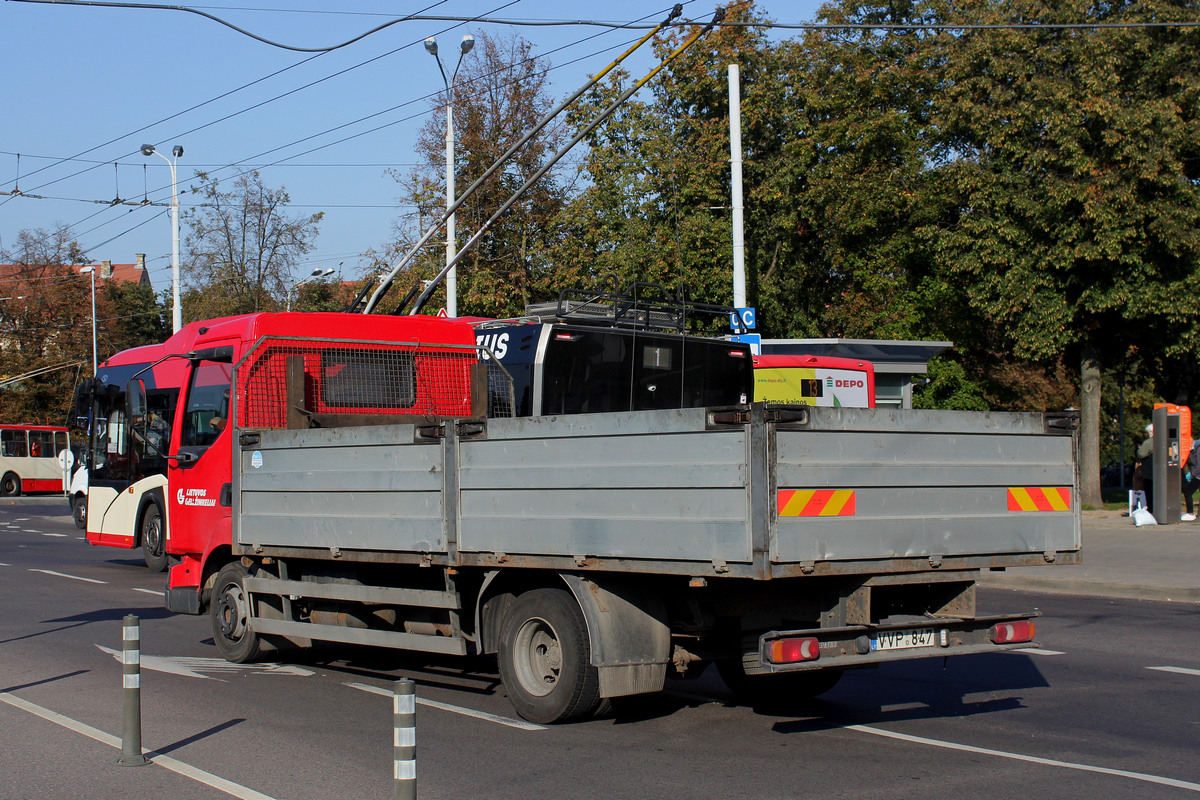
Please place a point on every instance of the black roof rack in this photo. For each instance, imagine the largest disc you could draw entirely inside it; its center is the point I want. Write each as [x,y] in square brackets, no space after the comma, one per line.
[642,306]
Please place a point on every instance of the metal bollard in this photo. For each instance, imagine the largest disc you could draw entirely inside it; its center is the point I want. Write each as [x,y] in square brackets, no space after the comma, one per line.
[404,739]
[131,677]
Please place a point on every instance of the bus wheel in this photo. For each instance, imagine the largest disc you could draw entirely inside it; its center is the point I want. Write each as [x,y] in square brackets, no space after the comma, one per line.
[10,485]
[79,511]
[154,542]
[230,614]
[545,658]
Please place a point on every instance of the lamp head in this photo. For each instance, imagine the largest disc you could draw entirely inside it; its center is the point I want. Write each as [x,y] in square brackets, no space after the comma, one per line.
[431,46]
[177,150]
[147,149]
[467,43]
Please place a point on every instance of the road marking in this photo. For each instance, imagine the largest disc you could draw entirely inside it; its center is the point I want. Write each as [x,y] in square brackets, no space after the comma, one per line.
[2,564]
[1179,670]
[966,748]
[176,766]
[56,535]
[469,712]
[65,575]
[196,667]
[155,592]
[31,530]
[1037,651]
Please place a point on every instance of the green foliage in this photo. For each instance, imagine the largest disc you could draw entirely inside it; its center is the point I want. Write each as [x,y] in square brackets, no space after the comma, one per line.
[949,387]
[500,93]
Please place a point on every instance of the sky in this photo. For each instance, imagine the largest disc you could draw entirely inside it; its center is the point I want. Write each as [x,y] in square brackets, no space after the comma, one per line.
[86,86]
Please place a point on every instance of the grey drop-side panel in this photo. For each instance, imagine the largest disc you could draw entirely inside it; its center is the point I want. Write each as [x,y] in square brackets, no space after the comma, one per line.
[924,484]
[350,488]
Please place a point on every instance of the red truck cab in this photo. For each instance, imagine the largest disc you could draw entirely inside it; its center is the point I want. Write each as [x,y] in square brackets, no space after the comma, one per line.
[234,352]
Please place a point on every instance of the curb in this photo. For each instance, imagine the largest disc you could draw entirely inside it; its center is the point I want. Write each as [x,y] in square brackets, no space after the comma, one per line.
[1125,591]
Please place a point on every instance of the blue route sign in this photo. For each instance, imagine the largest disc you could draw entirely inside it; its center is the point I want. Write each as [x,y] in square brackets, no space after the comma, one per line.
[746,318]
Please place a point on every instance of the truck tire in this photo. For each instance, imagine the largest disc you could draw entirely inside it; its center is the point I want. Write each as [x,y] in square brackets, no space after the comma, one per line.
[153,536]
[778,690]
[79,511]
[545,658]
[10,485]
[229,611]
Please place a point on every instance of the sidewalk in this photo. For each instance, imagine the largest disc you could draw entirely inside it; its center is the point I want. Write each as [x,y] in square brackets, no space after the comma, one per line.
[1153,562]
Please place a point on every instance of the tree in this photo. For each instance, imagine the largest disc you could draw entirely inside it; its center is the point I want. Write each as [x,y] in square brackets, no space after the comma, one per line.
[1076,171]
[45,323]
[500,94]
[242,248]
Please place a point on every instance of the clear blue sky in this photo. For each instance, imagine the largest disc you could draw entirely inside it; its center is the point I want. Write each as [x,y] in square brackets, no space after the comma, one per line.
[85,87]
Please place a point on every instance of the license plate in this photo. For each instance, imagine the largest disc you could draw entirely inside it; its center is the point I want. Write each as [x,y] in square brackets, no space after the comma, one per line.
[902,640]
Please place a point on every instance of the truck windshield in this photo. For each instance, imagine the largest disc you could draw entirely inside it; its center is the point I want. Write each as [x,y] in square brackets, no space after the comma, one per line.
[207,405]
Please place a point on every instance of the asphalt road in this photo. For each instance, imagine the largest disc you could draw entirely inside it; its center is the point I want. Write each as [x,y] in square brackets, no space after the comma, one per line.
[1107,709]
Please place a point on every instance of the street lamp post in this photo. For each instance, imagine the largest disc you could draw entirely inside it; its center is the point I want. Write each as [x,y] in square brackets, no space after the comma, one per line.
[316,273]
[95,362]
[176,152]
[464,47]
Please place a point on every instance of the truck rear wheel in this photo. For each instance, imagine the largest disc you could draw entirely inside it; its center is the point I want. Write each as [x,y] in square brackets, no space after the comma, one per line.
[776,690]
[545,658]
[229,611]
[153,539]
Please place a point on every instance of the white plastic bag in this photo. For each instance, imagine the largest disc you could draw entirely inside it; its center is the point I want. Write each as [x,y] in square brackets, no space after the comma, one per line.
[1142,516]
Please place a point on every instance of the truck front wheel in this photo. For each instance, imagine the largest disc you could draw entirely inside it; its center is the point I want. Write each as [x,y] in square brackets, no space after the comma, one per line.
[230,614]
[545,658]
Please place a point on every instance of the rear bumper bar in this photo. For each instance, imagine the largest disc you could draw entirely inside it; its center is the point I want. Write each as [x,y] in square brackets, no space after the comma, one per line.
[858,645]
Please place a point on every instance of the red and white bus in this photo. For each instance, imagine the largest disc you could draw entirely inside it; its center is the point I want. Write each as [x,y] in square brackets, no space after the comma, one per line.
[814,381]
[125,503]
[29,458]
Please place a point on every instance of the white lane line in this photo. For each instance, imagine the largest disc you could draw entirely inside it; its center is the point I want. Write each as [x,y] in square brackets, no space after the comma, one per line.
[30,530]
[1178,670]
[2,564]
[1037,651]
[179,767]
[155,592]
[56,535]
[65,575]
[1120,773]
[470,712]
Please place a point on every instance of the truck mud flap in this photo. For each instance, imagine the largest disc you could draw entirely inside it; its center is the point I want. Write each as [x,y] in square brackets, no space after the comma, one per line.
[866,645]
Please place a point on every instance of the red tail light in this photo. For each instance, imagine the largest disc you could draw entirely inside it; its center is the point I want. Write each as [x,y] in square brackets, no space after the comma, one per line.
[789,651]
[1014,632]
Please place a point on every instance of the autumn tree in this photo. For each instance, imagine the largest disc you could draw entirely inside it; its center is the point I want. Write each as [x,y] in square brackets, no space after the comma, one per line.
[242,248]
[46,326]
[500,94]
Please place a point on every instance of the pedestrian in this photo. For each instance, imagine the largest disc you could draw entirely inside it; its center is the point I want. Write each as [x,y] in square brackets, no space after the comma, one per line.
[1191,480]
[1145,467]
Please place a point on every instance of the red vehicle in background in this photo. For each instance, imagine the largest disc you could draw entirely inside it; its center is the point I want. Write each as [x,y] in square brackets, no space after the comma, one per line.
[29,458]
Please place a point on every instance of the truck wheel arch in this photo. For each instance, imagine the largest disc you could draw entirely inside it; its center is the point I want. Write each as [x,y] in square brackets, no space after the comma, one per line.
[626,624]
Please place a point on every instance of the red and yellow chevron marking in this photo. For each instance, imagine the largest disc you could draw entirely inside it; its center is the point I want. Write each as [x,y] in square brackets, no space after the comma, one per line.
[1039,498]
[816,502]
